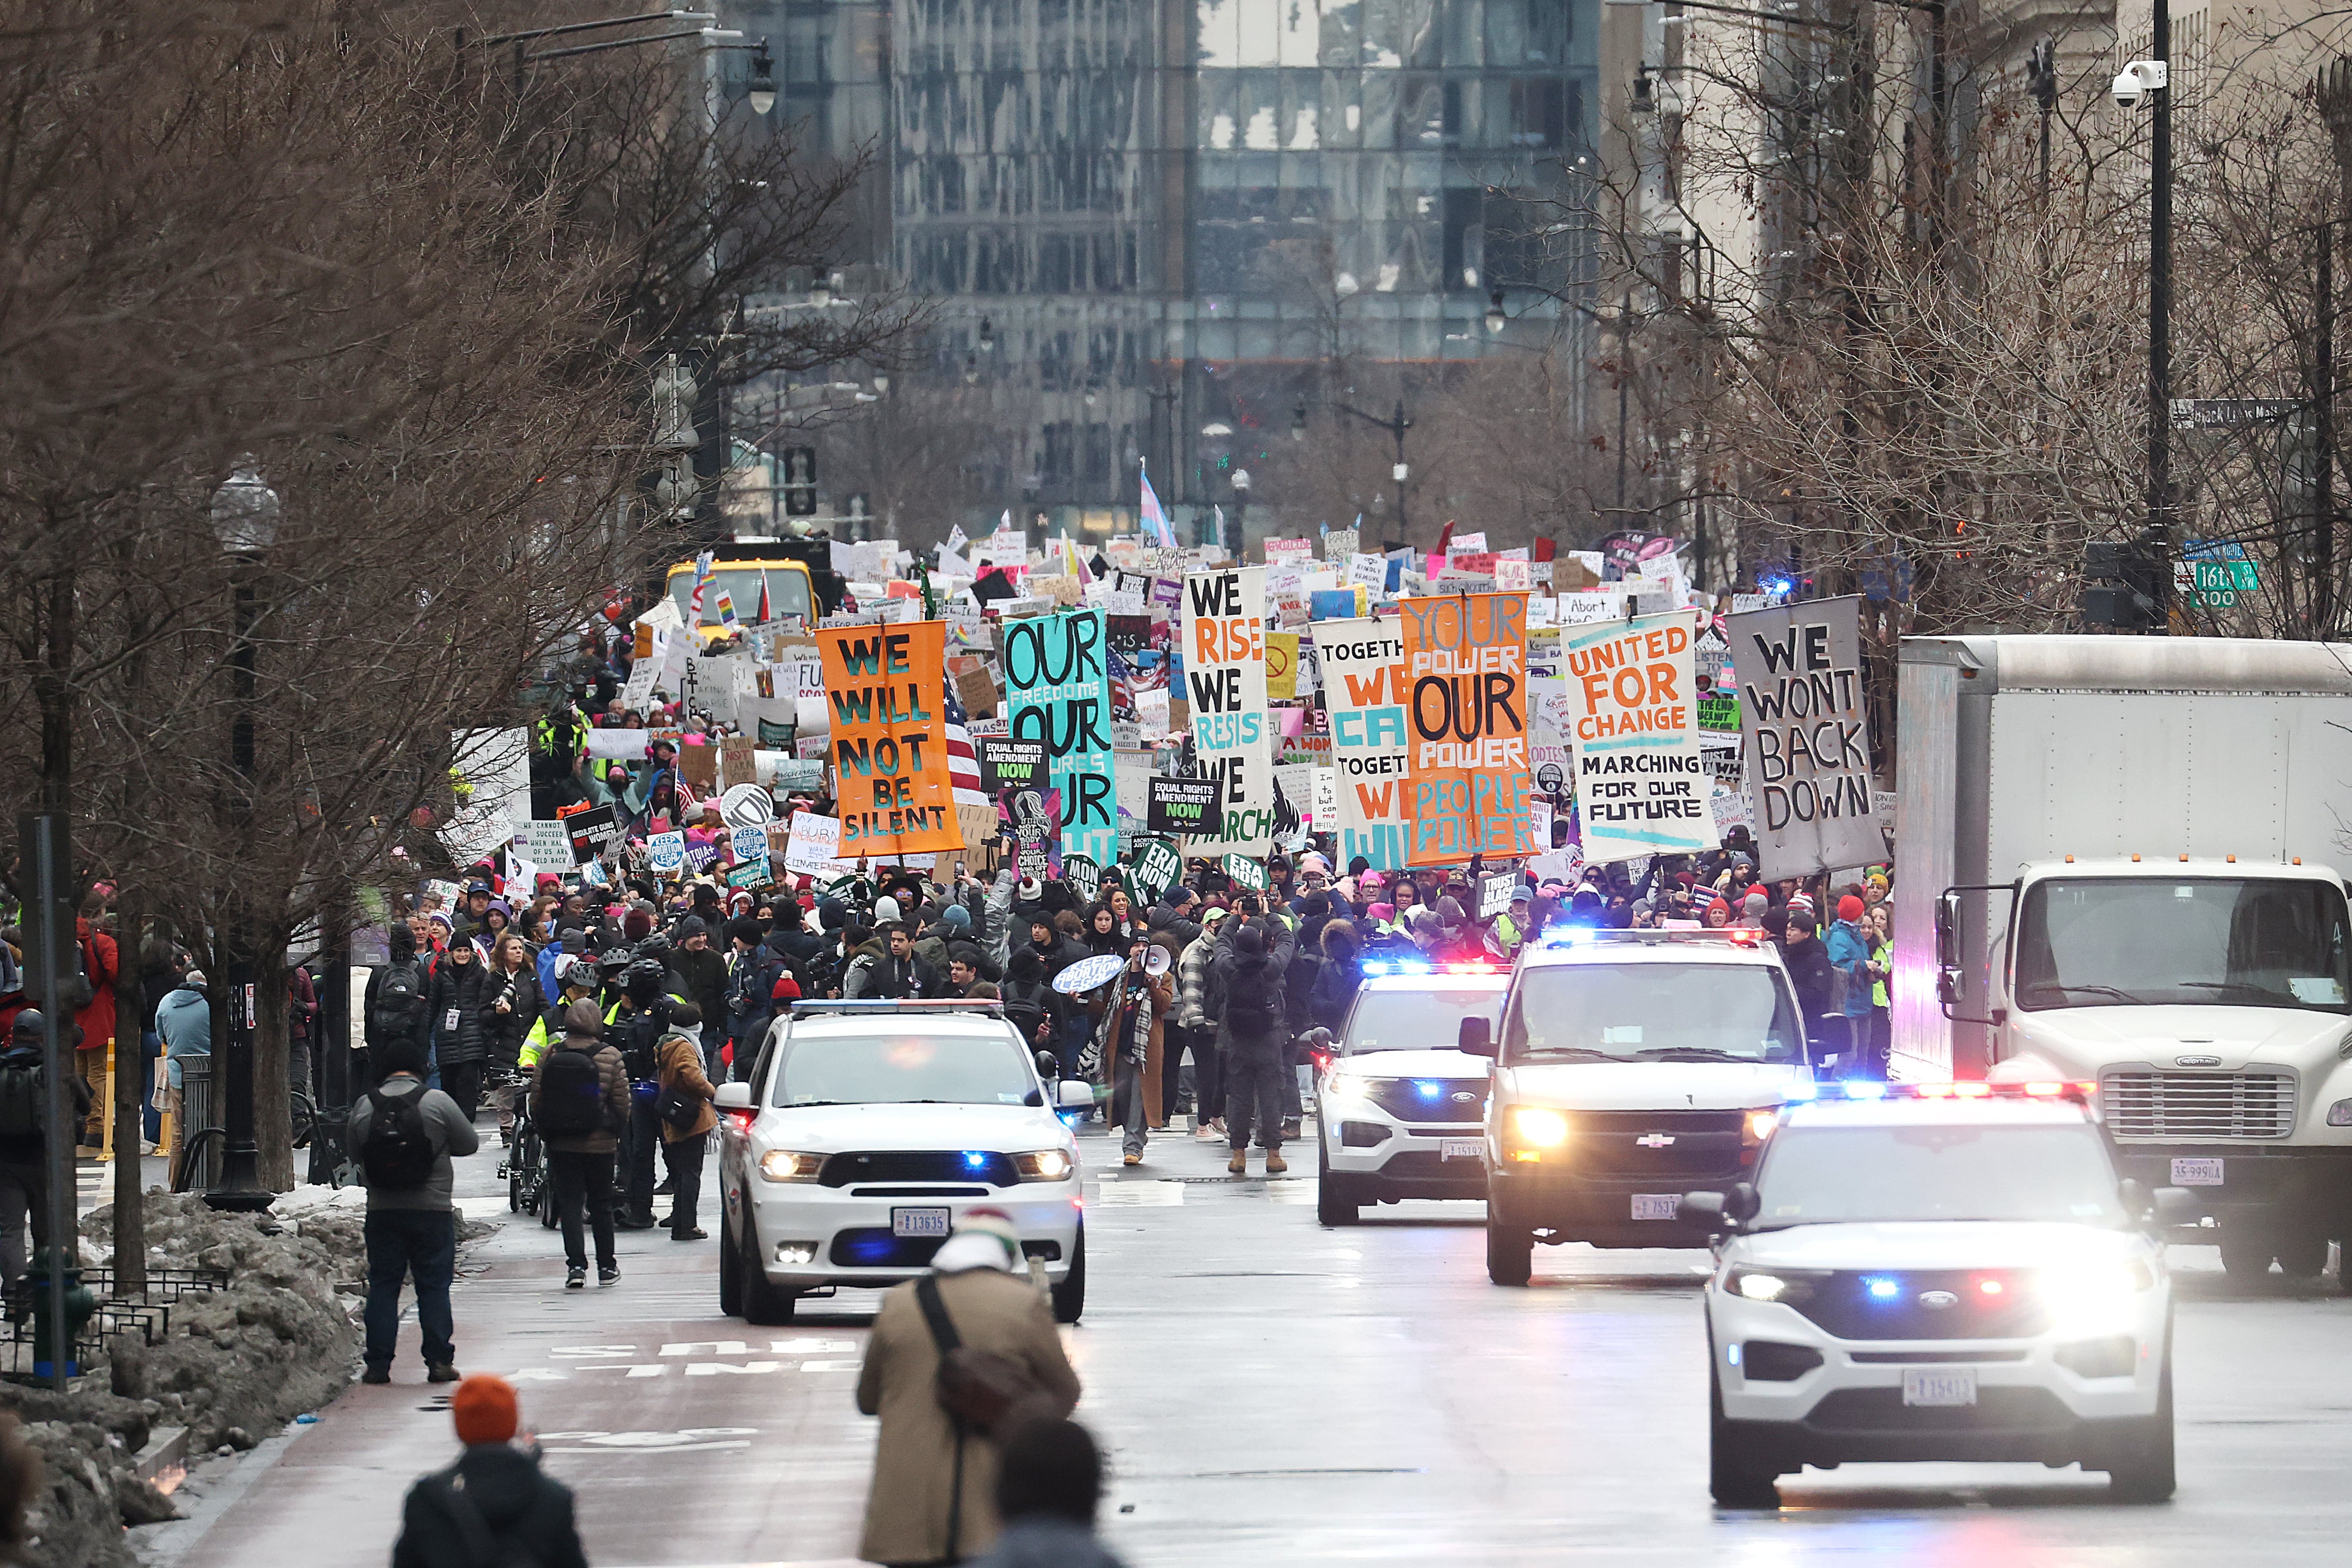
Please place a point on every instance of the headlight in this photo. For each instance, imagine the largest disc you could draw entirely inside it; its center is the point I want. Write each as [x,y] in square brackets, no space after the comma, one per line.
[785,1165]
[1349,1091]
[2093,1295]
[1045,1166]
[2340,1113]
[1539,1128]
[1758,1126]
[1768,1285]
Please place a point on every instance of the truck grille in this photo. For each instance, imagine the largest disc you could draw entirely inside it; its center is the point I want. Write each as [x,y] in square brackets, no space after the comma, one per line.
[2192,1107]
[1656,1144]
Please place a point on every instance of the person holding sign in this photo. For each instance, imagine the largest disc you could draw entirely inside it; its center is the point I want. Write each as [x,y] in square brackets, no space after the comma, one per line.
[1130,1016]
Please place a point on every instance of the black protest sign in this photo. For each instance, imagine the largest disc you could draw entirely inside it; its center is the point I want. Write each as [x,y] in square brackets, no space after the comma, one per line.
[1012,764]
[1157,867]
[592,833]
[1495,890]
[1082,875]
[1188,807]
[1804,738]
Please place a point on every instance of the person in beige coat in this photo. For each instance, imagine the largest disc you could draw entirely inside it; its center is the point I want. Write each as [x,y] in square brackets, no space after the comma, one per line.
[933,1499]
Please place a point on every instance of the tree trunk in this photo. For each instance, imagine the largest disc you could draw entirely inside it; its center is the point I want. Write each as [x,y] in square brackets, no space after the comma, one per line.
[130,1070]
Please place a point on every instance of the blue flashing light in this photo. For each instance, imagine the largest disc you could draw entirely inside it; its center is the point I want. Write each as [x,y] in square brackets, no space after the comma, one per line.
[1375,966]
[1412,966]
[1864,1088]
[1731,1354]
[1429,1089]
[974,1160]
[1071,1117]
[1801,1091]
[1881,1290]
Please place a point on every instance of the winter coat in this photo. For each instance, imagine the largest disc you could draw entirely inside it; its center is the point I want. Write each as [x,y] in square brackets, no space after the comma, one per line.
[1231,972]
[1162,989]
[458,988]
[185,1020]
[1047,1540]
[611,1076]
[680,1066]
[522,1507]
[99,958]
[504,1032]
[913,1490]
[1849,951]
[705,974]
[1809,972]
[1334,990]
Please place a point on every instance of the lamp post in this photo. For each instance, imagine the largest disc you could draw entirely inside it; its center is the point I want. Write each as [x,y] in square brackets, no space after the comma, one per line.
[1237,530]
[244,519]
[2151,78]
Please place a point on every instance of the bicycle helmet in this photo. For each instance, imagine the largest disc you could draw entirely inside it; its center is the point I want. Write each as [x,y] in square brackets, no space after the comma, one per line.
[644,977]
[655,945]
[613,964]
[574,968]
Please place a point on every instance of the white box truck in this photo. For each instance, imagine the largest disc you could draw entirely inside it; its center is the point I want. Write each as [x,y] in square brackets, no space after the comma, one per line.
[2116,861]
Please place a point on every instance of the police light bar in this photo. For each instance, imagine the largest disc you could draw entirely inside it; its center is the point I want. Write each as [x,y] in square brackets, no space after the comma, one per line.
[1374,968]
[1579,936]
[915,1004]
[1868,1088]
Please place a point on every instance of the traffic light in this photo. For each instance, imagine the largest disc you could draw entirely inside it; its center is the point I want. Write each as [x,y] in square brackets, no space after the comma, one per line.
[2129,595]
[799,482]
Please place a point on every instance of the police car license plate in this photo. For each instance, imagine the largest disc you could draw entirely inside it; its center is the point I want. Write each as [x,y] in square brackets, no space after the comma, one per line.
[1939,1385]
[1656,1205]
[919,1222]
[1460,1149]
[2197,1173]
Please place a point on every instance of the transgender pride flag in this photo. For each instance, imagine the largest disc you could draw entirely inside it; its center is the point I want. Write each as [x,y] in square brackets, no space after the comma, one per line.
[1155,517]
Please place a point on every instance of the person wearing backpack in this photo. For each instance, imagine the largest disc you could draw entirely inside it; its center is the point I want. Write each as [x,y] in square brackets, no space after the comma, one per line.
[395,1005]
[682,1097]
[495,1506]
[751,996]
[981,1323]
[403,1135]
[24,1137]
[579,1101]
[1247,998]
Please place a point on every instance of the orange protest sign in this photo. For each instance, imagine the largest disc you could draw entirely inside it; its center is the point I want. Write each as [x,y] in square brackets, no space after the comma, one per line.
[886,687]
[1467,722]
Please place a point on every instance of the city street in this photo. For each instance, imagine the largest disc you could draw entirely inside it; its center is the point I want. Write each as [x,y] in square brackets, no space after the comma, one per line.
[1274,1392]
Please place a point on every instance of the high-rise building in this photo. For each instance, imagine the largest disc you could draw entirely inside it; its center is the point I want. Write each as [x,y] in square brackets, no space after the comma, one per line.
[1143,219]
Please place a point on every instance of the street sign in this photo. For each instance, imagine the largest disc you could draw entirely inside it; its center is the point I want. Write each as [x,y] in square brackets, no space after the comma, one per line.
[2222,576]
[2232,413]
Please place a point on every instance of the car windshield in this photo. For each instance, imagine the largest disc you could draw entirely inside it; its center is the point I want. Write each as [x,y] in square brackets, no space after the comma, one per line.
[2243,943]
[787,593]
[950,1068]
[1827,1175]
[1417,1020]
[1652,1011]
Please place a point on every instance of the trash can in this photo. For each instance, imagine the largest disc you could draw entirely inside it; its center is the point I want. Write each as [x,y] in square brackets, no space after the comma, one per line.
[196,1112]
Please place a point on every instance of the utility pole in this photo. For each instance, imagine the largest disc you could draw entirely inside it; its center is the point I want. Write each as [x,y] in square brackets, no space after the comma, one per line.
[2160,314]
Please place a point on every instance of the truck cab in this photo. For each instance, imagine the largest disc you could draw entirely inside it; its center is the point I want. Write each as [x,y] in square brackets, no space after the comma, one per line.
[2211,1002]
[1630,1066]
[742,568]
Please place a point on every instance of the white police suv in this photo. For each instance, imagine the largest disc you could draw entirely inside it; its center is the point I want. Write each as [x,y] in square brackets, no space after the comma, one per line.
[1938,1271]
[866,1128]
[1401,1106]
[1630,1068]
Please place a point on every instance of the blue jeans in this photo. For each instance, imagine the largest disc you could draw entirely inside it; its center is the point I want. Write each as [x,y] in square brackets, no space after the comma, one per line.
[421,1245]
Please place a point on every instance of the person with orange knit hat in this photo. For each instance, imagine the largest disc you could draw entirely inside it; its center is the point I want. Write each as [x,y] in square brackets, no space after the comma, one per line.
[494,1505]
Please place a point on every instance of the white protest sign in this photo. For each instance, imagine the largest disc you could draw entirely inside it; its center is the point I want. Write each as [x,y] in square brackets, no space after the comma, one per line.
[667,850]
[1641,783]
[815,841]
[1224,679]
[1804,737]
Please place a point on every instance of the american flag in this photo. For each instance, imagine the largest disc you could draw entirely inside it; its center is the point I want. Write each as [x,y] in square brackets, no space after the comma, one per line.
[964,757]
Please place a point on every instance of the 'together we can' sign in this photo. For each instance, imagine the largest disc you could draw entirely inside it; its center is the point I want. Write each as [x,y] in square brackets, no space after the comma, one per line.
[1466,658]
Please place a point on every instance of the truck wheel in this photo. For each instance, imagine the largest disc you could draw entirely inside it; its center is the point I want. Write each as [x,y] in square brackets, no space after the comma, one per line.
[1510,1253]
[1070,1295]
[764,1306]
[1738,1473]
[2301,1255]
[2144,1473]
[1332,1204]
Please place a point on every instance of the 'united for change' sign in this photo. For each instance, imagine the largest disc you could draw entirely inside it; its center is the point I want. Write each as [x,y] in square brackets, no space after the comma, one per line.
[1804,741]
[1641,783]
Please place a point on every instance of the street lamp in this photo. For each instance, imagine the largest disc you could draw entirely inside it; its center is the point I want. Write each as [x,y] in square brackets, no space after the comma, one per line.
[1237,531]
[1495,317]
[762,93]
[244,519]
[2150,78]
[987,336]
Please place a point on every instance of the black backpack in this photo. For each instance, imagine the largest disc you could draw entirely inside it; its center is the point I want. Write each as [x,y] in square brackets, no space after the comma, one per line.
[1253,999]
[753,985]
[1027,1008]
[22,1098]
[398,1150]
[399,1004]
[570,1093]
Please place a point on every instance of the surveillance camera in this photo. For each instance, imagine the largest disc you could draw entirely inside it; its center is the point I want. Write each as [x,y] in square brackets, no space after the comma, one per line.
[2140,77]
[2126,91]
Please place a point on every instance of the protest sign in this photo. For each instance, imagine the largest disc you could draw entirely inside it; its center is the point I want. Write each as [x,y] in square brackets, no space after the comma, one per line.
[1224,682]
[749,873]
[1246,872]
[1157,867]
[1084,876]
[749,843]
[1057,690]
[592,832]
[666,851]
[1365,689]
[885,688]
[747,806]
[1281,665]
[1720,714]
[813,850]
[736,764]
[1805,744]
[1495,890]
[545,841]
[1186,806]
[1012,764]
[1641,783]
[1465,721]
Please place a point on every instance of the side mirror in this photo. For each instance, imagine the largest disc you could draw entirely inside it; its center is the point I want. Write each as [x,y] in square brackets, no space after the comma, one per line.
[2176,1206]
[1741,1203]
[733,1097]
[1075,1094]
[1701,1208]
[1948,949]
[1048,1065]
[1476,1037]
[2132,1192]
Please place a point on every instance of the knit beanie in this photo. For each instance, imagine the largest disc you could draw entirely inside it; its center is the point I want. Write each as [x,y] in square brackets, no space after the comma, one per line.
[1848,908]
[485,1411]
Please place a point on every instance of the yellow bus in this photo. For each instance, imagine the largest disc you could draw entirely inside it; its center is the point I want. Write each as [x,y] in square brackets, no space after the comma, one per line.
[739,568]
